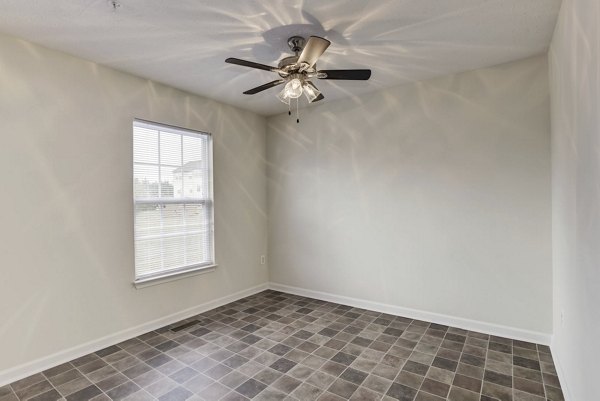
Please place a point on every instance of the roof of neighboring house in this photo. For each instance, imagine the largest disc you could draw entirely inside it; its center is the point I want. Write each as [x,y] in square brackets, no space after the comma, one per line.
[189,167]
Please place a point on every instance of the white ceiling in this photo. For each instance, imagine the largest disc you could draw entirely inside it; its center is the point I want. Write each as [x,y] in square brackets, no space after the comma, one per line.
[184,43]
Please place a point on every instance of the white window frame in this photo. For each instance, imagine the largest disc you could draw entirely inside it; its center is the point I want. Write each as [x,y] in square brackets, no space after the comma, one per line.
[188,270]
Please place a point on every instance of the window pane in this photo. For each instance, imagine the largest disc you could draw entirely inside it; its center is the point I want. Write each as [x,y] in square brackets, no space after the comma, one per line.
[174,252]
[167,182]
[145,181]
[173,219]
[148,258]
[195,253]
[194,217]
[170,149]
[192,180]
[148,219]
[145,145]
[194,149]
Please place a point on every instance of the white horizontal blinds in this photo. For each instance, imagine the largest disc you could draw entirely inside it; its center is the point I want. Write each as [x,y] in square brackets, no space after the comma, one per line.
[173,200]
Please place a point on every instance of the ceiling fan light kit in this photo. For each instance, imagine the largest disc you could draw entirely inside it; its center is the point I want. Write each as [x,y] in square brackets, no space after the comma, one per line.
[311,92]
[293,87]
[297,71]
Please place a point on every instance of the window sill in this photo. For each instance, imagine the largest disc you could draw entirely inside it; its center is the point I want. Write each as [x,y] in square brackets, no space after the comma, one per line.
[165,278]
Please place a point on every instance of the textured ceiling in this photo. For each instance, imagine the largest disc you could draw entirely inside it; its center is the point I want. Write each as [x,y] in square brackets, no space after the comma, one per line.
[184,43]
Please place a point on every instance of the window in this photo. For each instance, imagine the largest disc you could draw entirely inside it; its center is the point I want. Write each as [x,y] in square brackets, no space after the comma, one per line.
[173,205]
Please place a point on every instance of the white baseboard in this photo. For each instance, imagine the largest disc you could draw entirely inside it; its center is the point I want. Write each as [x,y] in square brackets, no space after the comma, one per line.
[27,369]
[19,372]
[467,324]
[561,374]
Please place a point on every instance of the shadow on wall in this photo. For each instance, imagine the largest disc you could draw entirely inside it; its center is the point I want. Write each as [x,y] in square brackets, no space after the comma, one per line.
[69,234]
[433,196]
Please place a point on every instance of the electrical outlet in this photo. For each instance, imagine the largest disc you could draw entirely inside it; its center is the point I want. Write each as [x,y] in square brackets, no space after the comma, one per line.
[263,259]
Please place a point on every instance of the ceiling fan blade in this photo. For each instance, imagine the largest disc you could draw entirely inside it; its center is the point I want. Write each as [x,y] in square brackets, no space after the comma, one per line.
[358,75]
[313,50]
[264,87]
[250,64]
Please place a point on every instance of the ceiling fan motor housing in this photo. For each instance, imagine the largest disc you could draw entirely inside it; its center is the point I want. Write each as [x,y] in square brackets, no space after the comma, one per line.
[287,61]
[296,44]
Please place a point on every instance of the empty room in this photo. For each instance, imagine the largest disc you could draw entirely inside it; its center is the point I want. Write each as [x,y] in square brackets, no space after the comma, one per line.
[300,200]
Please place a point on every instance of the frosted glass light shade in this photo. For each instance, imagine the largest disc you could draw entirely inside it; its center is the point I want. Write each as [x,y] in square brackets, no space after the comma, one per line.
[283,97]
[311,92]
[293,89]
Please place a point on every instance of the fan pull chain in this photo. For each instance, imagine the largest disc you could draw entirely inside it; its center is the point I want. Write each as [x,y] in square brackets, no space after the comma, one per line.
[289,108]
[297,112]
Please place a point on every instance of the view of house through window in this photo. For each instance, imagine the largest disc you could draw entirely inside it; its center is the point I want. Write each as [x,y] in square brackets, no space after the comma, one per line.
[172,175]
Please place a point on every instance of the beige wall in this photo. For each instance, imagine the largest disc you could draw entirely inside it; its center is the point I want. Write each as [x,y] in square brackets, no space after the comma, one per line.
[67,217]
[433,196]
[575,92]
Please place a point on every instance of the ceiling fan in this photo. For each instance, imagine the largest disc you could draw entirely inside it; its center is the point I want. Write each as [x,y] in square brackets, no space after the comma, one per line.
[297,71]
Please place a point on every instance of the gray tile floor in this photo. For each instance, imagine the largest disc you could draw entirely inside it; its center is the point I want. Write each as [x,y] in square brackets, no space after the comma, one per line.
[276,346]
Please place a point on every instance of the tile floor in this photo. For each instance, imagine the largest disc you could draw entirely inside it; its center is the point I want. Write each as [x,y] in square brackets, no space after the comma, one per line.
[276,346]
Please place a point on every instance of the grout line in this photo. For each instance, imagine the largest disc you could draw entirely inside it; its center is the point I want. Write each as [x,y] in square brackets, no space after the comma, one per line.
[542,373]
[487,351]
[512,368]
